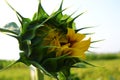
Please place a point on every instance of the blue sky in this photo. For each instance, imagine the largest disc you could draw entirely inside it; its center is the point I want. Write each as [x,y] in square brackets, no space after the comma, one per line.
[103,14]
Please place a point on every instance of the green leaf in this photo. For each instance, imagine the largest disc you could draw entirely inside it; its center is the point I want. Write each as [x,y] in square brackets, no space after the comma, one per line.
[25,46]
[79,65]
[8,31]
[97,41]
[24,21]
[20,18]
[24,24]
[70,21]
[29,32]
[82,29]
[50,64]
[39,53]
[60,10]
[13,36]
[67,61]
[66,73]
[66,17]
[41,14]
[85,62]
[13,27]
[40,67]
[58,14]
[88,33]
[24,59]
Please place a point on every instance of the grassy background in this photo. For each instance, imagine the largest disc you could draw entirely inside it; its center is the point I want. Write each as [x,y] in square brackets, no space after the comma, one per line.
[17,72]
[108,69]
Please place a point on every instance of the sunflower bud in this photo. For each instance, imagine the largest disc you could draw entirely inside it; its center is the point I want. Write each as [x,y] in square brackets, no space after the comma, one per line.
[50,42]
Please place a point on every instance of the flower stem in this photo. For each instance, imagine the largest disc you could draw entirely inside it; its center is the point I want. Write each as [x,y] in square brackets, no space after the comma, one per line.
[39,75]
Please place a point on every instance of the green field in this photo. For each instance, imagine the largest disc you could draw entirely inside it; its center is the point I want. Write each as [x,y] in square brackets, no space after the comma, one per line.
[108,69]
[16,73]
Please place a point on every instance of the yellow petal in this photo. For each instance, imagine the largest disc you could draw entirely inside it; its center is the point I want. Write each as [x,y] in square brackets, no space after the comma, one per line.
[74,52]
[82,45]
[56,42]
[70,34]
[58,52]
[73,37]
[79,37]
[61,49]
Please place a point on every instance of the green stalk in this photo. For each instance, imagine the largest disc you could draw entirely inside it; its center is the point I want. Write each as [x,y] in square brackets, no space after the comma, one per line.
[39,74]
[36,73]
